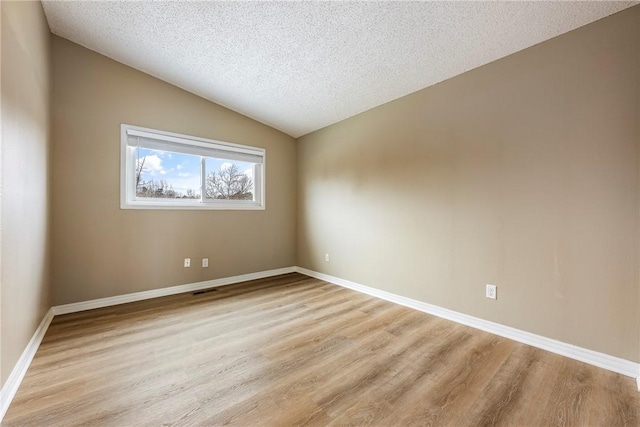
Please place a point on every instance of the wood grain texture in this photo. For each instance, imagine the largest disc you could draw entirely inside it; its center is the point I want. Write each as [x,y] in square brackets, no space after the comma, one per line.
[292,350]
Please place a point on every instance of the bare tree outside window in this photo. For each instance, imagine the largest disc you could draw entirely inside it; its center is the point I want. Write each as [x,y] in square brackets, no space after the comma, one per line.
[139,169]
[229,184]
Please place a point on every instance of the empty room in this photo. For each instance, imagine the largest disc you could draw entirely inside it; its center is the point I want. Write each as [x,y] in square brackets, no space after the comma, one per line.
[282,213]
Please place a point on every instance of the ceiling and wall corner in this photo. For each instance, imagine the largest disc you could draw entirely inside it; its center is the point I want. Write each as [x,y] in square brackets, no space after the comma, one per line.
[522,173]
[88,15]
[93,95]
[301,66]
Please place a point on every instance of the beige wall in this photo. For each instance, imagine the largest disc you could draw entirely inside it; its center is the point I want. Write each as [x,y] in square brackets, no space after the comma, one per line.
[522,173]
[24,288]
[101,250]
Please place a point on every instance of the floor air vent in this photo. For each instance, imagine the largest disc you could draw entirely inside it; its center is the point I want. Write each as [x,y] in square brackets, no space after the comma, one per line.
[204,291]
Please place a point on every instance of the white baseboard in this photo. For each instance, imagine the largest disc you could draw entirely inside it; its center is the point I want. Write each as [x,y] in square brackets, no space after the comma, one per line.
[162,292]
[601,360]
[611,363]
[13,382]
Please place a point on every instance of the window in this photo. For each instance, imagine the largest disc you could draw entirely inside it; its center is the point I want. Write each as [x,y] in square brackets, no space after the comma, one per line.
[163,170]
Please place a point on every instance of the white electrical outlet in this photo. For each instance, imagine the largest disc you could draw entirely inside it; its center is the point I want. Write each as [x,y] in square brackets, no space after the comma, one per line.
[326,257]
[187,262]
[491,291]
[205,262]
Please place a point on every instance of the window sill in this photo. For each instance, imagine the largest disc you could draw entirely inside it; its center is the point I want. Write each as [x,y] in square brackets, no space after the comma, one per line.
[195,206]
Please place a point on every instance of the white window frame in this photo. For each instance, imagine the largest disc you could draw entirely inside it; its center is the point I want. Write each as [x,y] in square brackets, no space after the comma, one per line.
[189,145]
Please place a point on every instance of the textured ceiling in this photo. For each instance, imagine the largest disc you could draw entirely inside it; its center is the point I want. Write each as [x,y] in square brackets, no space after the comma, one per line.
[301,66]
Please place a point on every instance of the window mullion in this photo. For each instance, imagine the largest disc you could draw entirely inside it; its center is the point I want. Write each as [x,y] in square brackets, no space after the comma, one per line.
[203,181]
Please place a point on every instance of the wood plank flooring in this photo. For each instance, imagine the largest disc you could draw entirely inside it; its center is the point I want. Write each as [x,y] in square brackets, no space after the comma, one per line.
[292,350]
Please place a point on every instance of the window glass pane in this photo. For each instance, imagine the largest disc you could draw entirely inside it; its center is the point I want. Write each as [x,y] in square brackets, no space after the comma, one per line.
[167,175]
[229,179]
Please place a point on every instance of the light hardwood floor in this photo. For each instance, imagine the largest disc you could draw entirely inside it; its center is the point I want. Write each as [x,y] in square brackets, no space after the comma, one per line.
[292,350]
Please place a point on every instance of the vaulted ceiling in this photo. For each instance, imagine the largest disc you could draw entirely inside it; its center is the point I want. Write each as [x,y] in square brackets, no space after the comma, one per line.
[301,66]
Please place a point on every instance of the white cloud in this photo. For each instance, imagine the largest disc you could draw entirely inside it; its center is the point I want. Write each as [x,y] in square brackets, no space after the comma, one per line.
[179,167]
[225,166]
[152,164]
